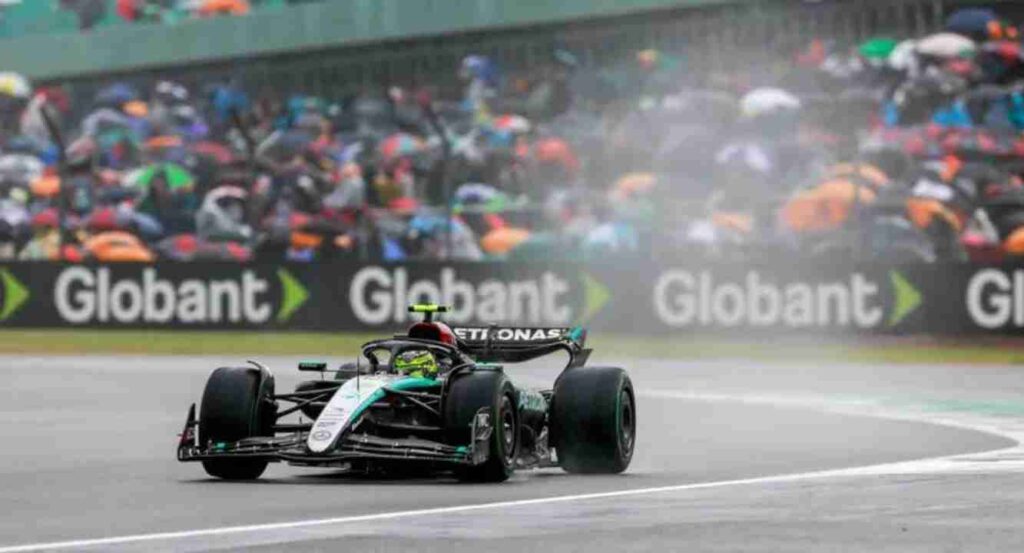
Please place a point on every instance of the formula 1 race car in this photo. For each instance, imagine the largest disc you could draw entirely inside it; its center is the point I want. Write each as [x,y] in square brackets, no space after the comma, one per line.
[432,400]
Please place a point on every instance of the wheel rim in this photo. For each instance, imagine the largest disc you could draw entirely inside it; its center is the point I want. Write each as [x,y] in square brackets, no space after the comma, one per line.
[508,430]
[627,421]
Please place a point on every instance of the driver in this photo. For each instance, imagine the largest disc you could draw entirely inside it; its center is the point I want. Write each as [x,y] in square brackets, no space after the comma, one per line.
[417,363]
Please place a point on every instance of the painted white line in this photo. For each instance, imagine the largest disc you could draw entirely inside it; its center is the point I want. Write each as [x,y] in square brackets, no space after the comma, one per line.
[881,468]
[209,532]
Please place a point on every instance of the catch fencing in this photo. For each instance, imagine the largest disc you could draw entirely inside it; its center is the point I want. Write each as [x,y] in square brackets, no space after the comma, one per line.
[640,297]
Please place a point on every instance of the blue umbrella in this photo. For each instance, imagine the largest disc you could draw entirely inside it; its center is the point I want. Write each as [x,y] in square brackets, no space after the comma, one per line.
[972,22]
[116,95]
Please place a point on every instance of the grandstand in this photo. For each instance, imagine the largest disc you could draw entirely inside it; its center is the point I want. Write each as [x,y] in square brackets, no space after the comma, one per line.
[429,129]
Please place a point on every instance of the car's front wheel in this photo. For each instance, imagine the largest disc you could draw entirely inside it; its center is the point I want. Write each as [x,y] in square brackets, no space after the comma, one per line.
[237,404]
[492,392]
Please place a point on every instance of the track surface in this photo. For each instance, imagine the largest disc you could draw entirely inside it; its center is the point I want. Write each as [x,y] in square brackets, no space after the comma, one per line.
[88,453]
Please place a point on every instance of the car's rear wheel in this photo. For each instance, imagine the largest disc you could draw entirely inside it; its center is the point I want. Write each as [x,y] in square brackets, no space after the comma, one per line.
[593,419]
[466,396]
[237,404]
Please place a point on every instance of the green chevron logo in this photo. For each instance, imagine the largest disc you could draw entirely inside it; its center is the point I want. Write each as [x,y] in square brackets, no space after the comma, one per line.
[15,295]
[294,295]
[906,298]
[595,296]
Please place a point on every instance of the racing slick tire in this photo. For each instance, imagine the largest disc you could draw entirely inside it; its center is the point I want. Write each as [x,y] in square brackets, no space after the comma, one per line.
[466,396]
[237,404]
[593,420]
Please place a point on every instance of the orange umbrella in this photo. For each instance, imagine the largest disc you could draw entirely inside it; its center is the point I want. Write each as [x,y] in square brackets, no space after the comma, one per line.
[219,7]
[306,240]
[825,207]
[1014,243]
[925,211]
[163,141]
[117,247]
[632,184]
[500,241]
[136,109]
[46,186]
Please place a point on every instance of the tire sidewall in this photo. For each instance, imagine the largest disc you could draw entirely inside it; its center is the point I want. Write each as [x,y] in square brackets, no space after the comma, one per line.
[466,396]
[586,420]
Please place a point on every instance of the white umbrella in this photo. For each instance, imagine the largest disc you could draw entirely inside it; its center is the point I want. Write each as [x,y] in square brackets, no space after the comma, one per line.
[763,101]
[946,45]
[904,56]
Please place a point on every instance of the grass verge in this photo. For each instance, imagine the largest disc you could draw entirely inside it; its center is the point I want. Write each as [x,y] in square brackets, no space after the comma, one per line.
[244,343]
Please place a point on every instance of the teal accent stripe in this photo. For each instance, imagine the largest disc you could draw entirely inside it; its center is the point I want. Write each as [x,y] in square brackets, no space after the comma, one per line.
[403,385]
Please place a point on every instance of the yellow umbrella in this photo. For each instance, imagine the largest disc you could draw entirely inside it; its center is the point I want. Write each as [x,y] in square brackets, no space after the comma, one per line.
[14,85]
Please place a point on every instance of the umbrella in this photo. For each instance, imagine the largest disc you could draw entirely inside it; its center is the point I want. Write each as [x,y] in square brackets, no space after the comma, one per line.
[476,194]
[283,146]
[946,45]
[20,168]
[1007,51]
[188,247]
[215,150]
[500,241]
[116,95]
[118,246]
[46,218]
[558,152]
[826,207]
[103,120]
[176,177]
[400,145]
[513,124]
[903,55]
[763,101]
[14,85]
[973,22]
[632,184]
[877,48]
[215,7]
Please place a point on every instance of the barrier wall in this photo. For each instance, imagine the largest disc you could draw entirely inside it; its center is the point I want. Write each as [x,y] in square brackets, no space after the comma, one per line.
[339,46]
[639,297]
[314,26]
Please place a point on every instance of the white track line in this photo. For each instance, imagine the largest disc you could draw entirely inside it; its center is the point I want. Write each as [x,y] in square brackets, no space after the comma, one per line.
[880,468]
[165,536]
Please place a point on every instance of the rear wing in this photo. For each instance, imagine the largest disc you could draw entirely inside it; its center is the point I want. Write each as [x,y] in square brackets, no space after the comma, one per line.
[496,344]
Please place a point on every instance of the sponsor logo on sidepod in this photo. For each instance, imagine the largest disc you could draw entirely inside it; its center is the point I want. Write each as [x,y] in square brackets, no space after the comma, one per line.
[684,298]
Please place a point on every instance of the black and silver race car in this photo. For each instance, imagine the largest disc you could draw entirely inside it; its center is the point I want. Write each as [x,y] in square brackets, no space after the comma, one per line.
[433,400]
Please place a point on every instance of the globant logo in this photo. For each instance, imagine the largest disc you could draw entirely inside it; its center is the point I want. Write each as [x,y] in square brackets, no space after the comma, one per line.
[15,295]
[684,299]
[996,299]
[381,295]
[85,295]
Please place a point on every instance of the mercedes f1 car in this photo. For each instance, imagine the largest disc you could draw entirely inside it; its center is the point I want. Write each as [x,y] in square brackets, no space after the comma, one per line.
[436,399]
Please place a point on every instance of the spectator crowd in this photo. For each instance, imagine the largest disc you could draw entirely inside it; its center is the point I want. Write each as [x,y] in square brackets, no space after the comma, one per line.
[893,149]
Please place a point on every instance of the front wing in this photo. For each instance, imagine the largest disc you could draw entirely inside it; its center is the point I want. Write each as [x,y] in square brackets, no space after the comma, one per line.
[349,448]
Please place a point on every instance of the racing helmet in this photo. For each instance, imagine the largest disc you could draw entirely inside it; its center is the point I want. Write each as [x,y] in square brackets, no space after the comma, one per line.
[416,363]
